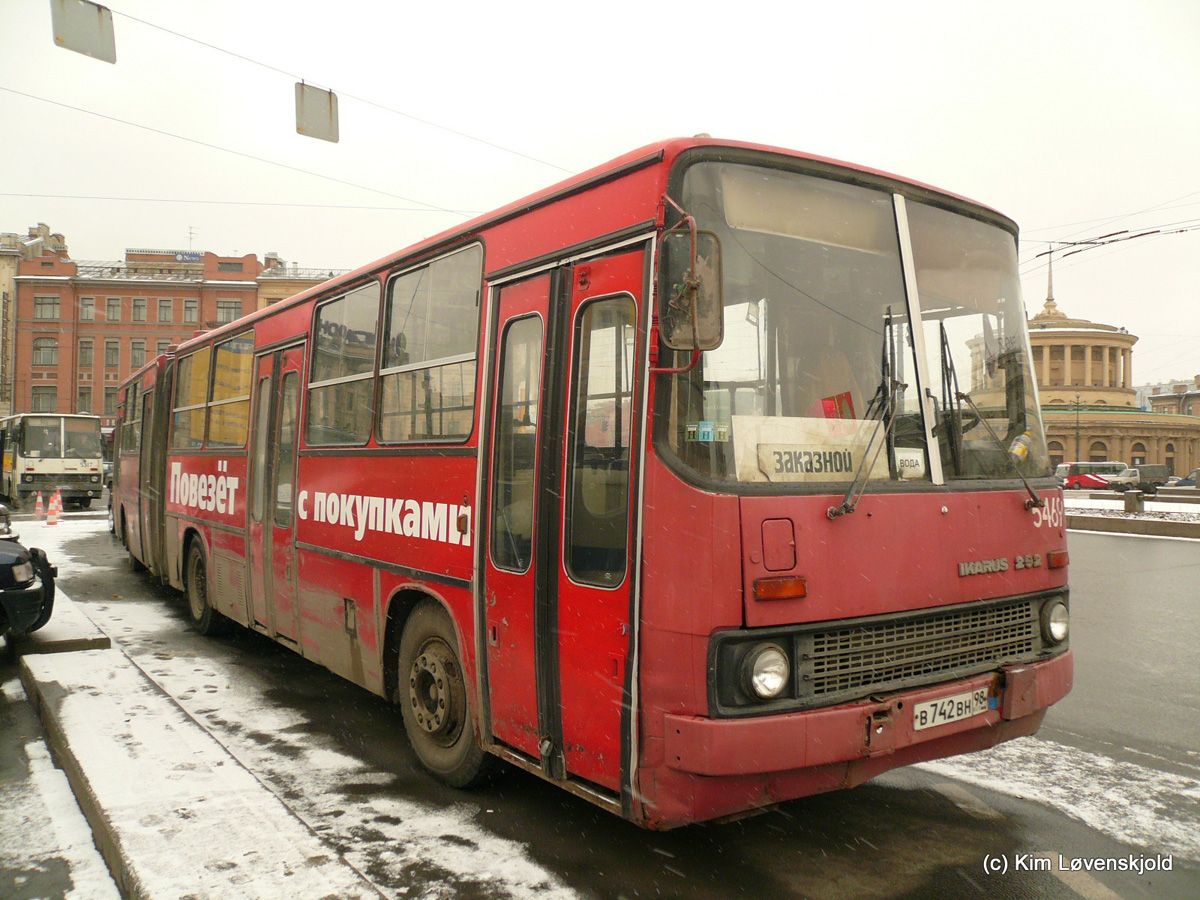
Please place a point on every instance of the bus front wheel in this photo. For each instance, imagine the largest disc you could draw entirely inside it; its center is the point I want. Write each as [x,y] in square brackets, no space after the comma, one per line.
[205,619]
[434,701]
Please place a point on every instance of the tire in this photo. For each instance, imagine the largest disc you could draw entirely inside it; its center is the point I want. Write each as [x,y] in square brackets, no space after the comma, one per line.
[434,701]
[85,503]
[205,620]
[42,564]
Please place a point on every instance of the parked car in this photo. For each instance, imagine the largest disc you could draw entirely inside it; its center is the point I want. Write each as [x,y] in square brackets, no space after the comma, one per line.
[1147,478]
[26,583]
[1189,480]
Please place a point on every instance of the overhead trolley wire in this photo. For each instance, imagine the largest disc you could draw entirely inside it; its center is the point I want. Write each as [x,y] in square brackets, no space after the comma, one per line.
[461,212]
[340,93]
[430,206]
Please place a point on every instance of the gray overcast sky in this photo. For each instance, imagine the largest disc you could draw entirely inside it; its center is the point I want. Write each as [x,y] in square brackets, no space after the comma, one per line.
[1075,118]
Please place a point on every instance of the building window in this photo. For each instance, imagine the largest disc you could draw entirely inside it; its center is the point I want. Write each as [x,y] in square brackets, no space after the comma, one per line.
[137,354]
[228,310]
[229,267]
[85,400]
[45,307]
[45,352]
[1138,455]
[163,347]
[112,311]
[139,309]
[1057,453]
[1099,452]
[45,399]
[166,311]
[112,354]
[191,310]
[85,354]
[110,401]
[87,309]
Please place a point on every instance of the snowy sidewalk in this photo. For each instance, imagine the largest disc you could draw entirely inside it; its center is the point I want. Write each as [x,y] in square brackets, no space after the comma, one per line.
[1161,518]
[172,811]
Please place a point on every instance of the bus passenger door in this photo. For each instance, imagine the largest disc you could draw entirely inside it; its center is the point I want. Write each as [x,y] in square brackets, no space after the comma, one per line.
[594,566]
[272,494]
[514,617]
[146,532]
[557,571]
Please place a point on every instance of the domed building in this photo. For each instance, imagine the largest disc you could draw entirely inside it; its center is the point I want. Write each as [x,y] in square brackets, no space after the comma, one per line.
[1089,405]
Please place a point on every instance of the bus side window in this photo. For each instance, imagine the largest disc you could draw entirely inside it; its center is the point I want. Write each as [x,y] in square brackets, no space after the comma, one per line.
[515,460]
[598,499]
[285,452]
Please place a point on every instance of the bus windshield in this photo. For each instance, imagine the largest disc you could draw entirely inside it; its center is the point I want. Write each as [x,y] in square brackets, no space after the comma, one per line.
[52,437]
[82,438]
[816,380]
[43,438]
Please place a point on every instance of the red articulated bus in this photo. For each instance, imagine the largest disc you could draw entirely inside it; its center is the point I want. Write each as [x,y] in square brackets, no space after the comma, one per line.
[707,479]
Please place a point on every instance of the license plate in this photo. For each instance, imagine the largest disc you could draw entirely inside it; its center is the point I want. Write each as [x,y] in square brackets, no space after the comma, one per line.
[949,709]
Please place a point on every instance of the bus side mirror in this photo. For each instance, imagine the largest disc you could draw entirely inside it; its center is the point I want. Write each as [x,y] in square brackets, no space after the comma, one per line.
[691,314]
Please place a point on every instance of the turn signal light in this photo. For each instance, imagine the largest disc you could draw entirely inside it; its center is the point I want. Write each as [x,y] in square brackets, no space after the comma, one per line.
[1057,559]
[790,587]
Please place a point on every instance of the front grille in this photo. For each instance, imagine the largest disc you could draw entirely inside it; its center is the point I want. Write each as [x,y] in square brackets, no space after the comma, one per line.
[870,657]
[839,662]
[62,481]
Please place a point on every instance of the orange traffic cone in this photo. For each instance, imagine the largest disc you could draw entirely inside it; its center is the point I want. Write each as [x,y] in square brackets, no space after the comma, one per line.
[39,511]
[55,509]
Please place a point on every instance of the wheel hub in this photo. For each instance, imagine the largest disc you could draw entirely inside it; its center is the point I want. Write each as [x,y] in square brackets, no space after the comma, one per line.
[430,692]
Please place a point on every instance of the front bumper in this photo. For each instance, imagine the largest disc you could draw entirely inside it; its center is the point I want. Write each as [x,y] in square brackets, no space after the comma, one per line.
[23,606]
[66,491]
[865,730]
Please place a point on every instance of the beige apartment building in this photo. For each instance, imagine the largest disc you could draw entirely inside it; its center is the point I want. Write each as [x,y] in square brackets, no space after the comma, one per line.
[1089,404]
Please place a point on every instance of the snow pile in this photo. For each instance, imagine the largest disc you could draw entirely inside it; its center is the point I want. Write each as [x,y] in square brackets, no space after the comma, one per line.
[1131,803]
[1159,510]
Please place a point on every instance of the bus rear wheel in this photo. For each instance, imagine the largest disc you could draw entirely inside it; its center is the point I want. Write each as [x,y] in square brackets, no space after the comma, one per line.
[205,619]
[434,701]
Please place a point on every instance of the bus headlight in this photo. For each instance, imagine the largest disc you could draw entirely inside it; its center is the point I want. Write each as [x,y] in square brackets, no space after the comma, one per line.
[95,479]
[28,479]
[22,572]
[1056,622]
[765,671]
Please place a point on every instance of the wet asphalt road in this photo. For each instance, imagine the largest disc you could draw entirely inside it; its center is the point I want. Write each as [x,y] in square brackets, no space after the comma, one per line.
[909,834]
[1135,617]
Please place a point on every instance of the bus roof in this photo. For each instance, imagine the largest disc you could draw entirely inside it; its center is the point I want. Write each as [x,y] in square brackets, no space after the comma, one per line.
[661,152]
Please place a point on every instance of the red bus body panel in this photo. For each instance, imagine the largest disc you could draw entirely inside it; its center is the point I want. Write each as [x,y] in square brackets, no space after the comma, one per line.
[378,528]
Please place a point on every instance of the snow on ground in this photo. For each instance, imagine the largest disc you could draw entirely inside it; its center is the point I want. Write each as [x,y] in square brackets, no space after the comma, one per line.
[1128,802]
[51,538]
[42,830]
[436,849]
[1163,510]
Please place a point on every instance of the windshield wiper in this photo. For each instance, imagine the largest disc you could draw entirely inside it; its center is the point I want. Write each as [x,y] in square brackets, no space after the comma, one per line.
[950,406]
[883,405]
[1036,500]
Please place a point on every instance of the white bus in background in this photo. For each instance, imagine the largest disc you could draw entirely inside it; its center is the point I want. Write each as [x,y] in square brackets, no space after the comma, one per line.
[47,452]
